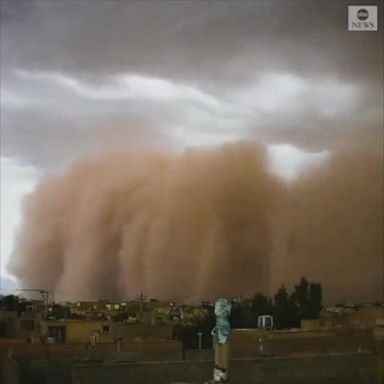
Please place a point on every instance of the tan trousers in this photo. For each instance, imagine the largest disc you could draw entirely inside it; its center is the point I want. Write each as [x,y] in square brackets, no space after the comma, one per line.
[222,355]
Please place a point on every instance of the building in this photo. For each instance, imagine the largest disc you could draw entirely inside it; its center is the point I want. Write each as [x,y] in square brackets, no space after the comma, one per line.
[77,331]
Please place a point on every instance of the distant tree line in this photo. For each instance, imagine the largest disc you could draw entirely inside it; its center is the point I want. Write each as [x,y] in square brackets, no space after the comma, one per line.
[287,309]
[12,303]
[187,333]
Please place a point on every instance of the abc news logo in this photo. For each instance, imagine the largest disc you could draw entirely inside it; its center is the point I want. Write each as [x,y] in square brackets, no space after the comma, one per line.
[362,18]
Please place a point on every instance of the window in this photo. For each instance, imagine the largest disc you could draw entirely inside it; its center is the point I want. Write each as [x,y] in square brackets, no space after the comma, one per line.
[28,324]
[57,333]
[3,329]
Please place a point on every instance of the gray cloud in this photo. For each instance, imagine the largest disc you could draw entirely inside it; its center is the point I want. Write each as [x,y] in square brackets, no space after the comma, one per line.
[194,40]
[62,63]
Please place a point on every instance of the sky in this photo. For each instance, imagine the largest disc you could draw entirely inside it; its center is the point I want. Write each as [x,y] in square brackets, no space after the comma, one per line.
[78,77]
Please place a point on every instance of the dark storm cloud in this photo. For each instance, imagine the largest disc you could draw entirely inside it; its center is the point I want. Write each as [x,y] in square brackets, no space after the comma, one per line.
[196,40]
[218,48]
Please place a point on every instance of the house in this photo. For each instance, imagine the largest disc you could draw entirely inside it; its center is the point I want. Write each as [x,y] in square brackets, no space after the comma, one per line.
[77,331]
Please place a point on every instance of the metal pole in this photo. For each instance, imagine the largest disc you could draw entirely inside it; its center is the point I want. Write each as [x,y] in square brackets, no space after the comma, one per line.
[200,334]
[118,344]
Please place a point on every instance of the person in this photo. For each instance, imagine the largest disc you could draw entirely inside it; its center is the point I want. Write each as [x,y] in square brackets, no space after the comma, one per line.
[221,340]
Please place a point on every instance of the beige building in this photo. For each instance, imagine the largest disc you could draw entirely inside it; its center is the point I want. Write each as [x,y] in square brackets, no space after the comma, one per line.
[26,327]
[78,331]
[367,316]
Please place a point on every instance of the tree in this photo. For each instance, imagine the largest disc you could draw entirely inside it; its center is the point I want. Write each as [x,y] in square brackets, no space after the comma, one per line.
[245,314]
[58,311]
[13,303]
[9,303]
[307,297]
[301,297]
[261,304]
[315,305]
[187,333]
[205,325]
[242,315]
[284,310]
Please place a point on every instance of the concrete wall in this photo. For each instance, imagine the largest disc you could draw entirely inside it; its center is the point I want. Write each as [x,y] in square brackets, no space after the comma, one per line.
[369,316]
[252,342]
[331,369]
[338,368]
[80,331]
[171,350]
[132,332]
[316,324]
[44,363]
[9,373]
[194,354]
[8,367]
[365,316]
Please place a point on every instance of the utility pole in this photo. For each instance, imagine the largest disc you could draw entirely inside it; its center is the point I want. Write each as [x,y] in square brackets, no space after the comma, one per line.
[141,298]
